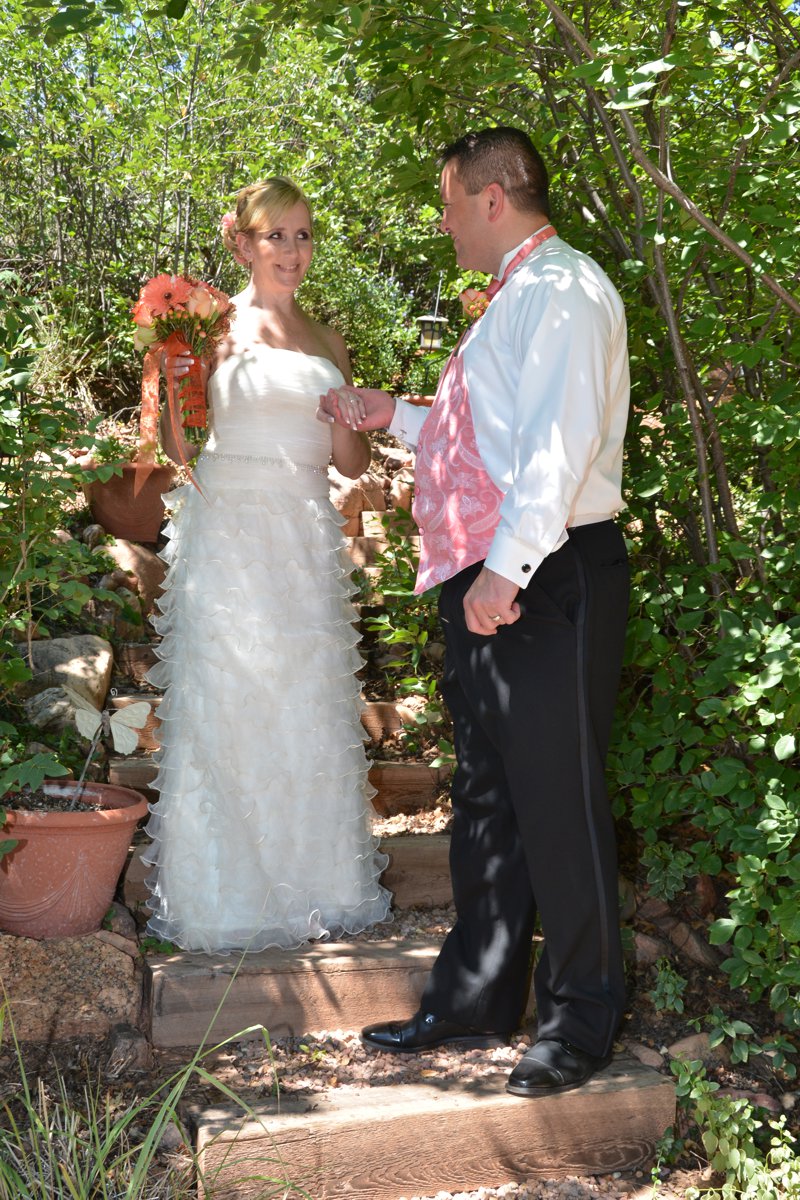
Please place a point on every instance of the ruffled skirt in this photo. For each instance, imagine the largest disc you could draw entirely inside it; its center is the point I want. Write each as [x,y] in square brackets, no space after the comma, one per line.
[262,832]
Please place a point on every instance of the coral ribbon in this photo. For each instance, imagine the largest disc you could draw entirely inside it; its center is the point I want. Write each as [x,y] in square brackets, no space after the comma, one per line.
[189,399]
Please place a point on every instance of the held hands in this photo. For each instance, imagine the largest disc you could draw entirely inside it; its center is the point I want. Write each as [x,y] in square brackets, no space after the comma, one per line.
[490,603]
[356,408]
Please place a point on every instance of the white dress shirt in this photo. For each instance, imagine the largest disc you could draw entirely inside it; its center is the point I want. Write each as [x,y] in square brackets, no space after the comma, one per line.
[548,384]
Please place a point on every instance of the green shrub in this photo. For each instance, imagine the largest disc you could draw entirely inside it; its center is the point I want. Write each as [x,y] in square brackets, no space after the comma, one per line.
[44,573]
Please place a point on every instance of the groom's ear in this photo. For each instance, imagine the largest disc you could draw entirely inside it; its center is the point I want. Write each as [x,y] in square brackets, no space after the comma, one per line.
[495,201]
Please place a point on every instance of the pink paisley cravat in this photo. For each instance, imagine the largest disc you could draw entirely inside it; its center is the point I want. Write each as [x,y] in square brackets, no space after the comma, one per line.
[456,503]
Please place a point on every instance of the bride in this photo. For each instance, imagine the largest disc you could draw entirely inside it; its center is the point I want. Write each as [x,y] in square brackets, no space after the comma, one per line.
[262,832]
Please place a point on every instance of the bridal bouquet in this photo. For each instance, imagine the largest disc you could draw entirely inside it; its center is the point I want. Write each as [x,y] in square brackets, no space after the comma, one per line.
[178,315]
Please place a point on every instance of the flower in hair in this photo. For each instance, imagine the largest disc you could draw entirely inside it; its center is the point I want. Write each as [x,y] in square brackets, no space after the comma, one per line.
[227,226]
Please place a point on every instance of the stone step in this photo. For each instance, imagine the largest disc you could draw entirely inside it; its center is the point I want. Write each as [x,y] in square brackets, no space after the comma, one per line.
[134,660]
[402,787]
[148,734]
[381,719]
[329,985]
[364,550]
[406,787]
[386,1143]
[418,874]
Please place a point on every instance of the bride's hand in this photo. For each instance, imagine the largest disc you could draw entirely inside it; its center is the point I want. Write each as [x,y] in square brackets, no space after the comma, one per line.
[176,365]
[356,408]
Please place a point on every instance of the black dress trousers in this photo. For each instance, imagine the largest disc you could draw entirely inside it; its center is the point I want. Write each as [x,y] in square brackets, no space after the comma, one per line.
[532,709]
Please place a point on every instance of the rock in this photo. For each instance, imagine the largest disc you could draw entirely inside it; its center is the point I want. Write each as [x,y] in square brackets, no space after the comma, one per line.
[352,496]
[135,659]
[50,710]
[172,1140]
[789,1101]
[127,622]
[93,535]
[120,921]
[435,651]
[352,527]
[143,564]
[117,579]
[83,662]
[401,490]
[696,1045]
[63,536]
[383,718]
[32,628]
[68,987]
[705,891]
[38,748]
[693,945]
[626,890]
[394,457]
[128,1050]
[757,1099]
[645,1054]
[648,949]
[653,910]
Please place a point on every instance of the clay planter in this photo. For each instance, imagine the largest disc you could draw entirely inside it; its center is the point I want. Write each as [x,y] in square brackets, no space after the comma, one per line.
[61,878]
[135,518]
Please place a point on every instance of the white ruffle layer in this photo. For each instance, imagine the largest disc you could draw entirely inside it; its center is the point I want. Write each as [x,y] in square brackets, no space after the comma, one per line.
[262,833]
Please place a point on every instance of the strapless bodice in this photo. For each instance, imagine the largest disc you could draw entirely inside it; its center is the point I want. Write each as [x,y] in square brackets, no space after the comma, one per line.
[263,402]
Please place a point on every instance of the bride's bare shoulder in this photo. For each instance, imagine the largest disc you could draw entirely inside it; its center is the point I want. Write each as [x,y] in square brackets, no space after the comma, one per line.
[335,347]
[240,334]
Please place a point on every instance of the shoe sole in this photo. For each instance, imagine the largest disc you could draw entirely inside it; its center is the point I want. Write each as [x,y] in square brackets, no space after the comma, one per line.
[529,1093]
[537,1093]
[477,1042]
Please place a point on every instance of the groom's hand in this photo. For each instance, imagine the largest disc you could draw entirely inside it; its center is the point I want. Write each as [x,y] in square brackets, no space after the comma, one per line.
[490,603]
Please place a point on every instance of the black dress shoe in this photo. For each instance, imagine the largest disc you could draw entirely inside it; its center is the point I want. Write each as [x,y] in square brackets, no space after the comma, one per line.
[553,1066]
[424,1031]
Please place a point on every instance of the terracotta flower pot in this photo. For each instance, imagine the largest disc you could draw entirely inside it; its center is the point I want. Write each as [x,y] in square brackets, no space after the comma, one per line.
[137,518]
[60,879]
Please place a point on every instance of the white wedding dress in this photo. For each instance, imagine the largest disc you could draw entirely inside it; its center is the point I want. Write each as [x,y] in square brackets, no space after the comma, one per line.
[262,832]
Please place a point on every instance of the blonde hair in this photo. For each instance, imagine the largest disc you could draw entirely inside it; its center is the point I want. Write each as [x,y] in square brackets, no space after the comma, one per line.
[260,206]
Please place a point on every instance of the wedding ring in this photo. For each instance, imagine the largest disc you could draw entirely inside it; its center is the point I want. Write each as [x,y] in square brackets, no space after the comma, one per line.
[495,617]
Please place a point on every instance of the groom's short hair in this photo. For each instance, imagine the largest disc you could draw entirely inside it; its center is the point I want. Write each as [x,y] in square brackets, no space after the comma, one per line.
[503,155]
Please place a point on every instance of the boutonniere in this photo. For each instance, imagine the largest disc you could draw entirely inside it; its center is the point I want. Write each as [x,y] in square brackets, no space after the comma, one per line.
[474,302]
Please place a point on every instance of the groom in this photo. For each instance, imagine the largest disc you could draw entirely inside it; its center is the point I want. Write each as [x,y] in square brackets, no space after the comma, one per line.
[517,483]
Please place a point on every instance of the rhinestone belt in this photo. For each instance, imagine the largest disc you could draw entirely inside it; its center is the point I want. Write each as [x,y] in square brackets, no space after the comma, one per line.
[264,461]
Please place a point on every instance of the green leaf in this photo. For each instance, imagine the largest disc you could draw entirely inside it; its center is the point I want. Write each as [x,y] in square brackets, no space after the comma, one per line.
[785,747]
[721,931]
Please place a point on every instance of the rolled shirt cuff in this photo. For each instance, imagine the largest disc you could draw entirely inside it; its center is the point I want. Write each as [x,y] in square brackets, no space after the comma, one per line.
[407,422]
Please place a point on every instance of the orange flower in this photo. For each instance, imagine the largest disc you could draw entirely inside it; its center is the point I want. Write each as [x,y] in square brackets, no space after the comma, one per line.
[142,315]
[165,292]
